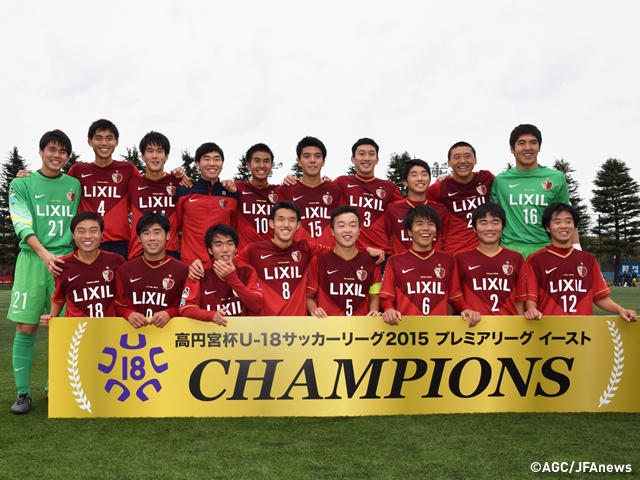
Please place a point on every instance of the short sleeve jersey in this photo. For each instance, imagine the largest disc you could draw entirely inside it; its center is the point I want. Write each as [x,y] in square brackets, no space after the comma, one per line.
[316,205]
[488,285]
[525,194]
[370,197]
[87,289]
[153,196]
[341,286]
[564,281]
[105,192]
[254,208]
[44,207]
[394,224]
[461,200]
[418,285]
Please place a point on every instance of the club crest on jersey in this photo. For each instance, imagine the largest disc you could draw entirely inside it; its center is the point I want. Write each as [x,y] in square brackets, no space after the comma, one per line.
[439,271]
[381,193]
[481,189]
[12,192]
[273,197]
[507,268]
[185,292]
[107,274]
[71,196]
[582,270]
[117,177]
[296,256]
[362,274]
[327,199]
[168,283]
[223,203]
[171,190]
[547,184]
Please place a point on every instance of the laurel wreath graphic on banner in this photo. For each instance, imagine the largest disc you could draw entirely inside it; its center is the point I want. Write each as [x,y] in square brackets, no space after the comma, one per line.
[616,373]
[74,376]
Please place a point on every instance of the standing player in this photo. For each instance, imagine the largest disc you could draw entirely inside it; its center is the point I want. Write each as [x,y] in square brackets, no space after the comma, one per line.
[316,197]
[461,193]
[489,278]
[344,281]
[561,280]
[206,203]
[526,190]
[416,176]
[225,290]
[86,284]
[41,206]
[150,286]
[369,195]
[256,197]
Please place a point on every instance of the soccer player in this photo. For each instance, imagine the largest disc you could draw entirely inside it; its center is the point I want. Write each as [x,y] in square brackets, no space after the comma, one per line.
[561,280]
[87,282]
[486,279]
[316,197]
[344,281]
[41,207]
[206,203]
[461,193]
[150,286]
[225,290]
[256,197]
[154,191]
[369,195]
[416,176]
[526,190]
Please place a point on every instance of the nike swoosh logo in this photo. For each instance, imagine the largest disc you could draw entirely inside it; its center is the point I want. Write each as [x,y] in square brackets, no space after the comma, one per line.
[351,186]
[71,279]
[400,220]
[549,271]
[40,196]
[18,369]
[142,188]
[331,272]
[512,186]
[295,199]
[247,193]
[406,271]
[262,257]
[209,293]
[452,194]
[86,175]
[473,268]
[193,200]
[135,279]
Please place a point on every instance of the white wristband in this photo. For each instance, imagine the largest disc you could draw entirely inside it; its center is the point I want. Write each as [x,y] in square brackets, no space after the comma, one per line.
[577,246]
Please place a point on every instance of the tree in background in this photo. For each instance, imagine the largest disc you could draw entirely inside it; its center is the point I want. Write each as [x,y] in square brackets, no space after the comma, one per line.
[617,202]
[73,159]
[394,169]
[133,156]
[352,169]
[574,196]
[508,167]
[8,239]
[243,173]
[189,165]
[296,170]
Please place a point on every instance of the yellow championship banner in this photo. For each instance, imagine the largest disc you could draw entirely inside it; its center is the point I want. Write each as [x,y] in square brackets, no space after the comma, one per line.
[342,366]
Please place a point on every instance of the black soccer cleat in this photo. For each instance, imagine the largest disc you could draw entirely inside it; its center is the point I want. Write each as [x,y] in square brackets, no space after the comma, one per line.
[22,404]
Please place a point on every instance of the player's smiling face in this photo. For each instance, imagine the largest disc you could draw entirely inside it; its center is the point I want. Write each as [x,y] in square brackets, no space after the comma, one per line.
[365,160]
[103,143]
[561,228]
[154,157]
[54,157]
[260,166]
[346,229]
[284,225]
[210,166]
[311,161]
[223,248]
[154,241]
[462,160]
[418,179]
[87,236]
[489,229]
[526,152]
[423,233]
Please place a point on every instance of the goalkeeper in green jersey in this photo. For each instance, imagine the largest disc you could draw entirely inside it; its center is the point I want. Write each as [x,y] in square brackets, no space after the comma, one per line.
[41,206]
[525,191]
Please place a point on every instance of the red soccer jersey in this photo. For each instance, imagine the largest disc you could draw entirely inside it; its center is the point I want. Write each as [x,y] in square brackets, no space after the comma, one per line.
[487,284]
[253,212]
[461,200]
[87,289]
[153,196]
[150,287]
[564,281]
[316,204]
[394,224]
[370,197]
[199,207]
[417,285]
[105,191]
[282,273]
[341,287]
[239,293]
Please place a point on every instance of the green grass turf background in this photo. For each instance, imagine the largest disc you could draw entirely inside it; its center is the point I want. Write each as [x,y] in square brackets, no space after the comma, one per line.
[421,446]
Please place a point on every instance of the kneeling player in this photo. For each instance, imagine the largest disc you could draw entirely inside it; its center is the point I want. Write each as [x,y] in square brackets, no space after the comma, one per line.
[225,290]
[343,281]
[86,283]
[486,277]
[561,280]
[150,286]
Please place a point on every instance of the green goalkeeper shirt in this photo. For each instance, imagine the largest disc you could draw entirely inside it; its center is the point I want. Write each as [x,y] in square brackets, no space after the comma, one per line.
[44,206]
[524,194]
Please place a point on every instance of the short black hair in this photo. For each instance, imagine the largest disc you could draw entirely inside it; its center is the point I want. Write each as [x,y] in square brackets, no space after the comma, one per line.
[489,208]
[341,209]
[460,144]
[103,124]
[558,207]
[364,141]
[222,230]
[82,216]
[56,136]
[208,148]
[416,162]
[311,142]
[148,219]
[524,129]
[421,211]
[289,205]
[258,147]
[155,138]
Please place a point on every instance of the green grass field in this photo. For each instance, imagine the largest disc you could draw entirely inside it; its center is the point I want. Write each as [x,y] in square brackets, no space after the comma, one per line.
[425,446]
